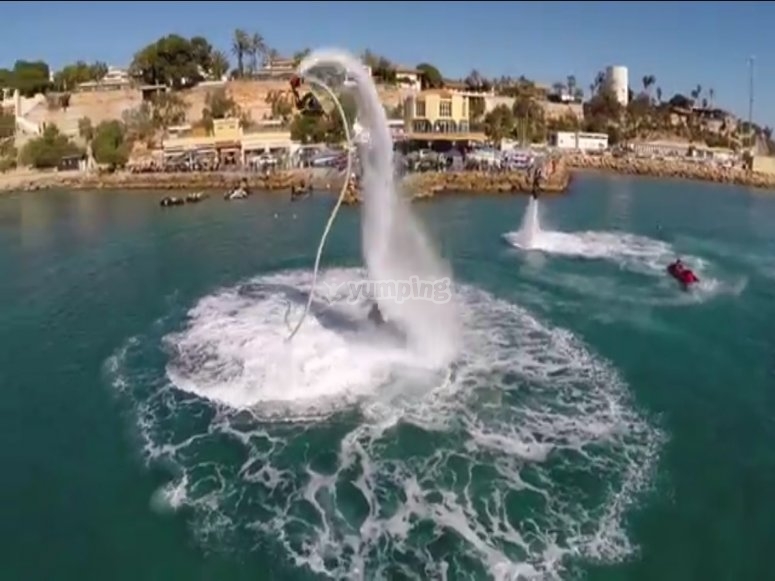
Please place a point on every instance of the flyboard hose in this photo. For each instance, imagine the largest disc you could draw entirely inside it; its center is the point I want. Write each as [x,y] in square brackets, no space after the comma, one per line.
[334,212]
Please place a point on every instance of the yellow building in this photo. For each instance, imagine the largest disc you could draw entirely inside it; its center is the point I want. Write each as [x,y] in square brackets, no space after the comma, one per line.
[439,115]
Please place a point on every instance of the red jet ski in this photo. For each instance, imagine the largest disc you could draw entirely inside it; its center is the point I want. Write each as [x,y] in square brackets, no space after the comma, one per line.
[682,274]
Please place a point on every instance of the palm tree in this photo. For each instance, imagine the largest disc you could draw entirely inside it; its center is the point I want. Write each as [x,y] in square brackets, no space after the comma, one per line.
[659,94]
[300,56]
[712,95]
[240,46]
[473,80]
[257,48]
[648,81]
[219,64]
[571,84]
[598,83]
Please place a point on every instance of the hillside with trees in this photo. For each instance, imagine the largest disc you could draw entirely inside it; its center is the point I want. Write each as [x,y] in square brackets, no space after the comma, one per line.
[188,68]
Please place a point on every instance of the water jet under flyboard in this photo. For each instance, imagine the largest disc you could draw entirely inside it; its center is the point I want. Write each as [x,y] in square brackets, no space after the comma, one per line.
[529,233]
[397,252]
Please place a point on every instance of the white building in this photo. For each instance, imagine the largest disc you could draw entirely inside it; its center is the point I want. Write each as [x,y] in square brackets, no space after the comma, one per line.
[617,79]
[572,140]
[409,78]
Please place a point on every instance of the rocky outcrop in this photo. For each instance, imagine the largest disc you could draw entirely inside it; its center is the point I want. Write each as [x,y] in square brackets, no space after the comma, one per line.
[672,169]
[430,184]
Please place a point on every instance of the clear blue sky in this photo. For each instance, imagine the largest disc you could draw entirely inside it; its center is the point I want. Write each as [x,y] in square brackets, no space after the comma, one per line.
[682,43]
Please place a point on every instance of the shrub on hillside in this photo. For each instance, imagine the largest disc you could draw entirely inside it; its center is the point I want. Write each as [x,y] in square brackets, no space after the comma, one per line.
[110,144]
[49,149]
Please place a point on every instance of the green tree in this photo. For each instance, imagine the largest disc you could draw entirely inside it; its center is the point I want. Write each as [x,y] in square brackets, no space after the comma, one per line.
[602,111]
[385,71]
[8,155]
[499,123]
[335,123]
[680,101]
[568,122]
[85,129]
[48,150]
[218,105]
[430,77]
[171,61]
[307,129]
[202,53]
[29,77]
[7,124]
[111,145]
[8,152]
[139,123]
[6,79]
[530,123]
[167,109]
[325,128]
[219,64]
[281,106]
[80,72]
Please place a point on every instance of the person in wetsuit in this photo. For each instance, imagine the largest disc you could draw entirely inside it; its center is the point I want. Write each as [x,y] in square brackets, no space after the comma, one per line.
[306,104]
[536,191]
[375,315]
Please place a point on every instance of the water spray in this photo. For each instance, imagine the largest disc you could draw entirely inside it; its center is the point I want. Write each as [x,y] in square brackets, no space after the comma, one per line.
[348,172]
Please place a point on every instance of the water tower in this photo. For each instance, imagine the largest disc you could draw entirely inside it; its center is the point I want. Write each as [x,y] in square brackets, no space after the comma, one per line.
[617,80]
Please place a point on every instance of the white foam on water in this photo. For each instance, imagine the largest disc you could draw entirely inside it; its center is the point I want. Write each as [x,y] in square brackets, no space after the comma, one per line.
[518,465]
[632,253]
[336,361]
[529,233]
[395,247]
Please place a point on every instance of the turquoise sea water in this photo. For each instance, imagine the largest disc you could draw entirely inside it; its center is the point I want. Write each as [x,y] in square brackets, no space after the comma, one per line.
[600,423]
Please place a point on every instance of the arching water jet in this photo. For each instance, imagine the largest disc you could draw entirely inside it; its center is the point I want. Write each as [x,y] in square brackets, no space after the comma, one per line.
[394,246]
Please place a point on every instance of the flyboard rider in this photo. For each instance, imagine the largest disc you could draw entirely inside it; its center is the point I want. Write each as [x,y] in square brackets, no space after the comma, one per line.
[309,105]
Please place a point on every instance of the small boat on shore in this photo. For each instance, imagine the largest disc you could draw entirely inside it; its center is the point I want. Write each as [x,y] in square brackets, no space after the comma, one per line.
[195,197]
[168,201]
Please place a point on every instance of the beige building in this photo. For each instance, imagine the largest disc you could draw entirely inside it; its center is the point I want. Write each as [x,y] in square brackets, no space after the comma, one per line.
[229,140]
[439,115]
[763,164]
[409,78]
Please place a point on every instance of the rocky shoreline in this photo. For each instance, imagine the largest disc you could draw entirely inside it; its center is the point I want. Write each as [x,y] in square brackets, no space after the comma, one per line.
[188,181]
[418,186]
[671,169]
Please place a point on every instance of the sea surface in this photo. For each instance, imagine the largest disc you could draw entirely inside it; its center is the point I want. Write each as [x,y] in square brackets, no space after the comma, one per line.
[599,423]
